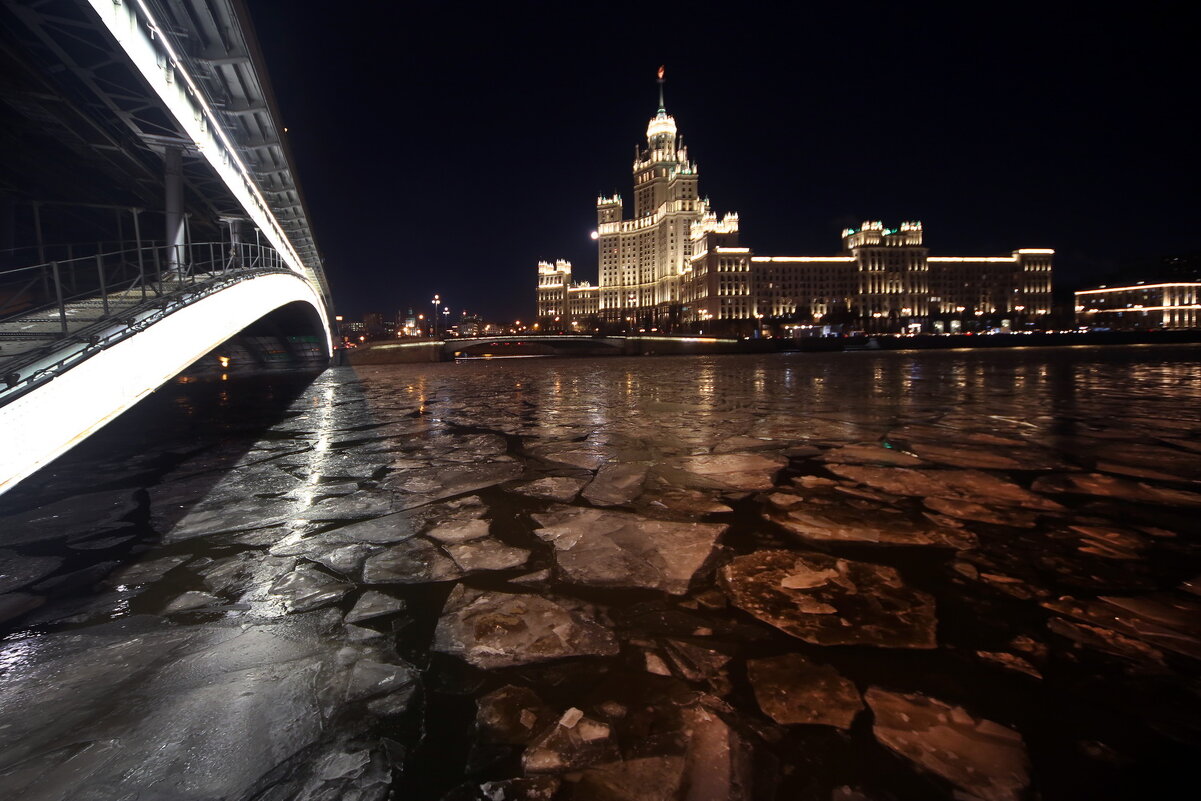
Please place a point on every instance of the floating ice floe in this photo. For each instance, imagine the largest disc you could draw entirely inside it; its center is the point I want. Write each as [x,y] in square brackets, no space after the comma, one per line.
[983,759]
[552,488]
[967,484]
[616,484]
[730,471]
[619,549]
[373,604]
[1112,487]
[828,601]
[494,630]
[835,524]
[791,689]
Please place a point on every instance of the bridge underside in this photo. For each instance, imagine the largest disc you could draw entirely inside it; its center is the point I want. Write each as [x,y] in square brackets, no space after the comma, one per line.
[53,416]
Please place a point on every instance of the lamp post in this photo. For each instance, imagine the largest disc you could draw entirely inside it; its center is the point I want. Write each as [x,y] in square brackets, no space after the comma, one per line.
[434,318]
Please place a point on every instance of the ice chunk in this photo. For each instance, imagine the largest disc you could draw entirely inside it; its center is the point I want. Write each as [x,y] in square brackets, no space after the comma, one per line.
[552,488]
[511,715]
[619,549]
[307,588]
[369,679]
[494,630]
[18,571]
[984,759]
[191,600]
[653,778]
[732,471]
[791,689]
[575,742]
[971,485]
[832,524]
[148,571]
[1119,488]
[15,604]
[72,517]
[416,561]
[854,603]
[373,604]
[487,554]
[872,453]
[459,531]
[616,484]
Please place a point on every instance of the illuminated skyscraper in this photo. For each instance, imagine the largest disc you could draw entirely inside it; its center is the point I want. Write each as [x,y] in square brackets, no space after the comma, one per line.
[676,265]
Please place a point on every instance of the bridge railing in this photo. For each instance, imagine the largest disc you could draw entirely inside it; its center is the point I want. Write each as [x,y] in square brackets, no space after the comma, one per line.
[56,313]
[109,272]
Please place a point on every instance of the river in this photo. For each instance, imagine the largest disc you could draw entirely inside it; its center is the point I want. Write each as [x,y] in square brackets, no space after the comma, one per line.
[873,575]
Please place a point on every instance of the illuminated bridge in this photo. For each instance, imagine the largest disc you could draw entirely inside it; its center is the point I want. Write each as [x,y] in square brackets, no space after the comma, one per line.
[546,345]
[150,213]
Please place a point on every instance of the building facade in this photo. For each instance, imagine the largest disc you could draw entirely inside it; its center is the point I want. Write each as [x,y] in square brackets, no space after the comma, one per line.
[560,299]
[675,265]
[1141,306]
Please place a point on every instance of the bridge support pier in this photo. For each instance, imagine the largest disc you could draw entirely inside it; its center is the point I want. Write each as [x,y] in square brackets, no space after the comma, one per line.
[173,182]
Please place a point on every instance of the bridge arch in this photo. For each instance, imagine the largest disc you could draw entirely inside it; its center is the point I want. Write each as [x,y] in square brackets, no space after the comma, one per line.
[45,422]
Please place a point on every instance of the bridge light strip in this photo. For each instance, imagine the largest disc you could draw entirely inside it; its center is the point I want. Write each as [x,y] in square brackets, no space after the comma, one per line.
[121,20]
[41,425]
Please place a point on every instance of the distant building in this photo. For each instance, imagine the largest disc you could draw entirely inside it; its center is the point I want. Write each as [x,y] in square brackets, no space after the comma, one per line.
[559,297]
[676,264]
[1152,305]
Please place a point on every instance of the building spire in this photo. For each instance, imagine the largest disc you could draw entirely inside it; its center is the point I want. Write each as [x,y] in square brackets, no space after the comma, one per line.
[662,107]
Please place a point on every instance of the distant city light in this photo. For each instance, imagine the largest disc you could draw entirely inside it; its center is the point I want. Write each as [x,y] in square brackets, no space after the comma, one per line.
[595,235]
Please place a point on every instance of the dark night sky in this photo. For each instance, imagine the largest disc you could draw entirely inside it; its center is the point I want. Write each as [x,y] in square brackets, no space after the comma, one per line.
[447,147]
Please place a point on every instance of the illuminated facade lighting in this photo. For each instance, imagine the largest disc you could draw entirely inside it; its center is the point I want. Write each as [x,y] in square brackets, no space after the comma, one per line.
[676,261]
[1162,305]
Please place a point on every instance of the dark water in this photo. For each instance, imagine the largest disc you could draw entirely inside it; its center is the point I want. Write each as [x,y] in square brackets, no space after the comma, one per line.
[1063,578]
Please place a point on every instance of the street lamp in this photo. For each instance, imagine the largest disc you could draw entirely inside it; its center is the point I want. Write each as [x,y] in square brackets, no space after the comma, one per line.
[434,319]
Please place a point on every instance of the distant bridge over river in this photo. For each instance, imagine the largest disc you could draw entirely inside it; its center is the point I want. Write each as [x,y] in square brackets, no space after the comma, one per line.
[544,345]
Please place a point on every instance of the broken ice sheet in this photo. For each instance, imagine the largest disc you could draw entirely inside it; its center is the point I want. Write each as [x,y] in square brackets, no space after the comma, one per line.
[373,604]
[834,524]
[985,760]
[307,588]
[1112,487]
[792,689]
[1167,621]
[968,484]
[828,601]
[574,454]
[414,561]
[552,488]
[454,479]
[73,517]
[870,453]
[370,678]
[487,554]
[493,630]
[574,742]
[616,484]
[18,571]
[148,571]
[731,471]
[619,549]
[511,715]
[967,510]
[189,601]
